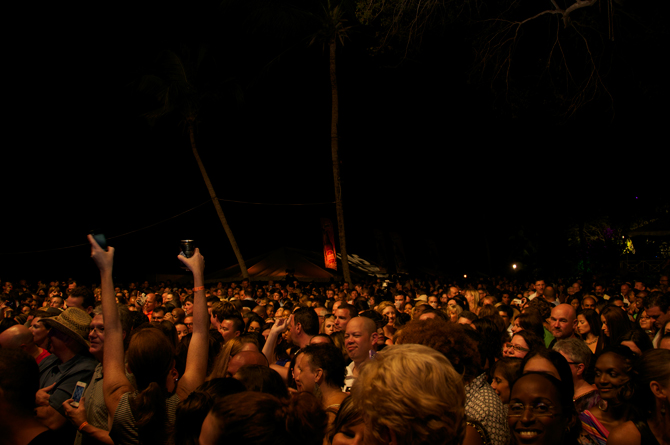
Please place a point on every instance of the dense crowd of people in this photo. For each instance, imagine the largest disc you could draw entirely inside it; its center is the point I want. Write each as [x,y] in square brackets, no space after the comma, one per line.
[406,361]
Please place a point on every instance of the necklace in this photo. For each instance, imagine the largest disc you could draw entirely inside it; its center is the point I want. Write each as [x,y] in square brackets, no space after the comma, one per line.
[591,342]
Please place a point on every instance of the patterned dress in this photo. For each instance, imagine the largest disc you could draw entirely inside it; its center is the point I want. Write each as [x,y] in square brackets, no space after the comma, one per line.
[483,405]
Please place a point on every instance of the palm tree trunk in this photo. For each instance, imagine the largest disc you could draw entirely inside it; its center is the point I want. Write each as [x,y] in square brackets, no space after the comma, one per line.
[217,205]
[334,141]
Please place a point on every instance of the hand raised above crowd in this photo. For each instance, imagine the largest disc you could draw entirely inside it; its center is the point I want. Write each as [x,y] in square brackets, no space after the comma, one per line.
[196,263]
[104,259]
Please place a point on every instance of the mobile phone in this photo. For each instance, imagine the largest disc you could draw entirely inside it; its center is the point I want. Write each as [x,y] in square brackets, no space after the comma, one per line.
[516,301]
[78,392]
[100,239]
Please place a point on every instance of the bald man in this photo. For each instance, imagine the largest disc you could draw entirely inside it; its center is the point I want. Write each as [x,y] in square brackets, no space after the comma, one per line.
[359,340]
[563,322]
[245,358]
[20,337]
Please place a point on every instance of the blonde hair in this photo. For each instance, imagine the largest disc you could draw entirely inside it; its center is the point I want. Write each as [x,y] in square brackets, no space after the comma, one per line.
[414,391]
[475,295]
[229,349]
[385,304]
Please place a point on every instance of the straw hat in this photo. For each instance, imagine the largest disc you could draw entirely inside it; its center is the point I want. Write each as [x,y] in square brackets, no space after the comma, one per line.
[72,322]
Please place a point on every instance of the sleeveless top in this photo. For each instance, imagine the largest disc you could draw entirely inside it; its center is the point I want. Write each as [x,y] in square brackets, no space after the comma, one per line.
[124,430]
[646,435]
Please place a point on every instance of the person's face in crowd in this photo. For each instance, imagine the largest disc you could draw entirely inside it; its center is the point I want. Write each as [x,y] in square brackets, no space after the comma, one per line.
[610,376]
[227,330]
[505,317]
[453,316]
[618,303]
[571,291]
[604,329]
[433,301]
[182,330]
[645,321]
[329,325]
[57,302]
[358,341]
[625,288]
[188,308]
[399,300]
[188,321]
[321,313]
[444,298]
[588,303]
[96,335]
[600,291]
[255,326]
[305,377]
[658,316]
[539,287]
[535,410]
[158,316]
[501,386]
[8,287]
[563,321]
[583,326]
[408,309]
[516,327]
[390,313]
[40,332]
[342,317]
[516,348]
[453,291]
[575,303]
[276,295]
[506,299]
[168,317]
[350,434]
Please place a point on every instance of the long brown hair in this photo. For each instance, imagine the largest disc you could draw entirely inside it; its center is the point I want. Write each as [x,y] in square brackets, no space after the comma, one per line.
[150,358]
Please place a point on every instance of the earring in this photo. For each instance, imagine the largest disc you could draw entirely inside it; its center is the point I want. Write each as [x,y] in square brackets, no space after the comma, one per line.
[603,405]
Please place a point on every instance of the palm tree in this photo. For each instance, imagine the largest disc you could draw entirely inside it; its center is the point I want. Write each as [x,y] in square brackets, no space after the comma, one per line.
[175,90]
[333,29]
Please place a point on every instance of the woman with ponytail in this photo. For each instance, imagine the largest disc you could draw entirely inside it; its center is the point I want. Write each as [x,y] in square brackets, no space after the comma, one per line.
[144,415]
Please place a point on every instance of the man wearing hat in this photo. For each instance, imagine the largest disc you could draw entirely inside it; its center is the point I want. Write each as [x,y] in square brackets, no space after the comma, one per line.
[68,364]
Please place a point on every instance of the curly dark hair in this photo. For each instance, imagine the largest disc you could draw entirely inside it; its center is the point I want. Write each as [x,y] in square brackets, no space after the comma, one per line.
[448,338]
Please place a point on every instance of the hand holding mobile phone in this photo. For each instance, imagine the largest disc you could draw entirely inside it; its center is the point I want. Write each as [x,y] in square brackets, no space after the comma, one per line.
[78,392]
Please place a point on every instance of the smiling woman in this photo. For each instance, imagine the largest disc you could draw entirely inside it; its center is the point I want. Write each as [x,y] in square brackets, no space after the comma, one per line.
[614,371]
[541,411]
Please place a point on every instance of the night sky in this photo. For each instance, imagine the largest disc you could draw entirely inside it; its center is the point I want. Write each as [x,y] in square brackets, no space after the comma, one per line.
[425,152]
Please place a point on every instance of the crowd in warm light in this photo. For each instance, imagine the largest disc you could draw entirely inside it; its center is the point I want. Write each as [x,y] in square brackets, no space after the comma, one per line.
[403,360]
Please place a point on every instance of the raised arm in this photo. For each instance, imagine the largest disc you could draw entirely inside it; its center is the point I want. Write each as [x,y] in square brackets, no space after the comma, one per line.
[115,383]
[196,360]
[280,326]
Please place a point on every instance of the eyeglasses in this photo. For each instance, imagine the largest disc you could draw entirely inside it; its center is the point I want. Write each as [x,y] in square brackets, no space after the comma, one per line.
[518,348]
[540,409]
